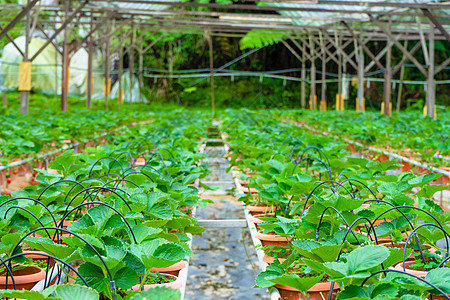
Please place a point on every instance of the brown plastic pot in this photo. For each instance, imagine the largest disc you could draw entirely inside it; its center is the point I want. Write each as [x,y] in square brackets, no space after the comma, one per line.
[272,239]
[176,284]
[25,279]
[257,210]
[418,273]
[270,259]
[39,257]
[173,269]
[319,291]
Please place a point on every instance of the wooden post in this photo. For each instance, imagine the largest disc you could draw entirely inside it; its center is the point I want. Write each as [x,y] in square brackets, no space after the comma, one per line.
[360,79]
[312,92]
[339,102]
[141,71]
[211,70]
[431,84]
[121,95]
[90,59]
[65,64]
[107,63]
[4,100]
[131,63]
[303,74]
[324,77]
[400,85]
[25,95]
[387,81]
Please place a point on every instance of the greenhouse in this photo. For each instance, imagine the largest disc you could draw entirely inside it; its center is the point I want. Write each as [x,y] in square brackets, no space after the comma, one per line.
[224,149]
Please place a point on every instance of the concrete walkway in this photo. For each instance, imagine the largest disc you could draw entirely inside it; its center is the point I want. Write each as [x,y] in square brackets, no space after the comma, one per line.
[220,267]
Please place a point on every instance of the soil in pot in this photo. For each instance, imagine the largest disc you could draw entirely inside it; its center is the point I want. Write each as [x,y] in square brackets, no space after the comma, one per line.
[319,291]
[25,278]
[160,279]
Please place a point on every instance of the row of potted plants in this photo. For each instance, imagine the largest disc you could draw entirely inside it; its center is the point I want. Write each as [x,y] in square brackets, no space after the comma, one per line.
[336,226]
[109,218]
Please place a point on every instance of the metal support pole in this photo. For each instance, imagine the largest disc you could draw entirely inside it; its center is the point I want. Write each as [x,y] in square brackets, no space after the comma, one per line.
[25,95]
[90,59]
[431,84]
[360,78]
[387,81]
[303,74]
[211,69]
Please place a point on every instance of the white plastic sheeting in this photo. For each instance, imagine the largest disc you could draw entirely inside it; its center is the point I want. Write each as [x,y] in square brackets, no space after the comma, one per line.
[46,69]
[134,94]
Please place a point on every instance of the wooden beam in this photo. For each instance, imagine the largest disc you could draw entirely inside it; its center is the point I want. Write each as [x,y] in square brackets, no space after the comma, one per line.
[436,23]
[13,43]
[405,59]
[397,43]
[349,60]
[366,49]
[61,28]
[442,66]
[19,16]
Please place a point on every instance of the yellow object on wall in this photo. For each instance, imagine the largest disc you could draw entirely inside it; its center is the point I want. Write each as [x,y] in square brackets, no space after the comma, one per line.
[25,76]
[323,105]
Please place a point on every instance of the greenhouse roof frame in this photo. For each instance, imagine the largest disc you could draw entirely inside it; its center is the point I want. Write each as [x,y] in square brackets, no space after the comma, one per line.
[320,26]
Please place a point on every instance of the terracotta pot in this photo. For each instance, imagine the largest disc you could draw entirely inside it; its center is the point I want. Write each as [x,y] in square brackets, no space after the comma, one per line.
[247,190]
[38,257]
[319,291]
[383,157]
[399,267]
[272,239]
[406,166]
[440,297]
[24,279]
[244,183]
[256,210]
[352,148]
[176,284]
[270,259]
[173,269]
[140,161]
[255,219]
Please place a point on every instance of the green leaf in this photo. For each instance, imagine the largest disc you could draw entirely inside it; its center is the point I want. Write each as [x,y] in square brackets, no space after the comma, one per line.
[22,294]
[75,292]
[158,293]
[303,284]
[161,211]
[440,277]
[94,277]
[428,191]
[126,278]
[366,257]
[424,179]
